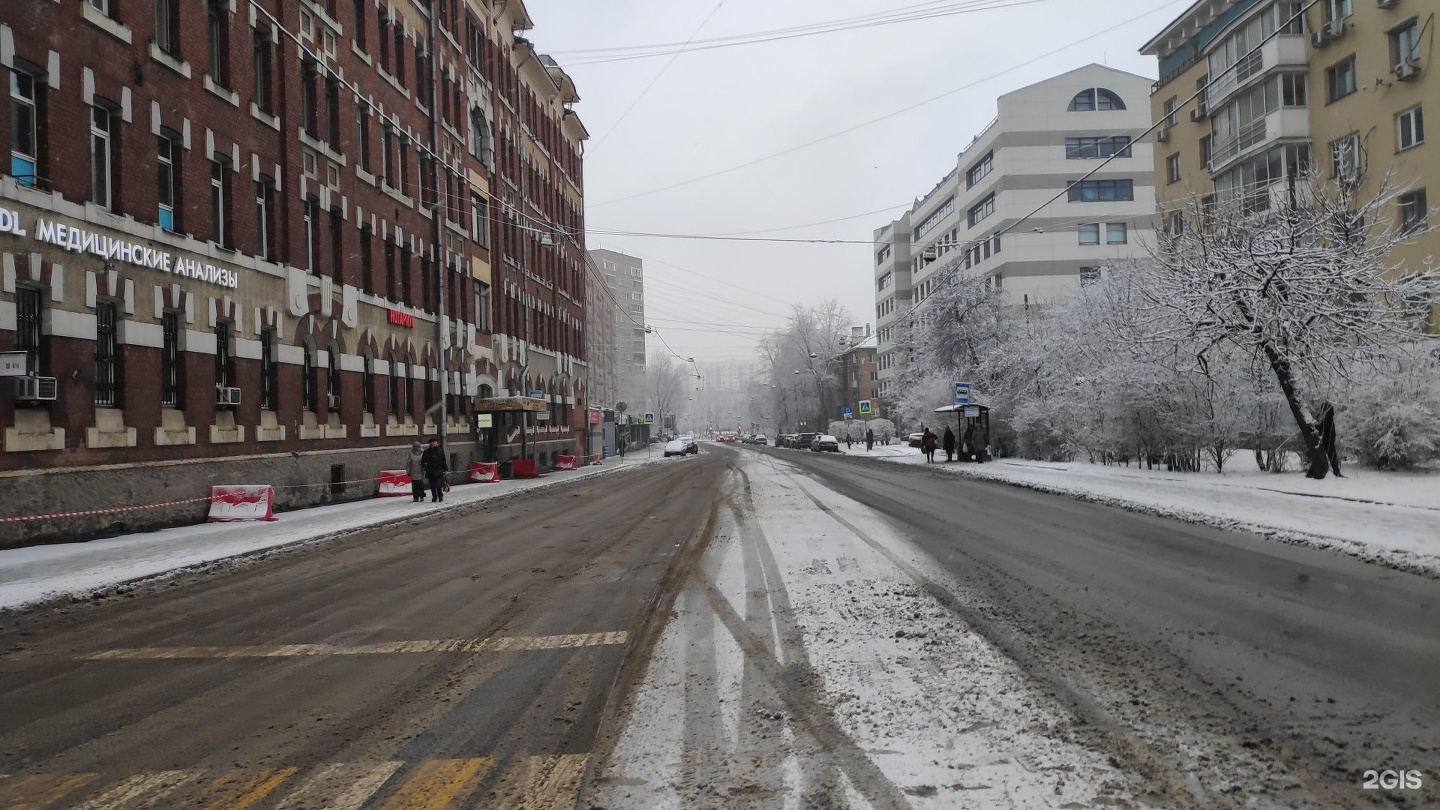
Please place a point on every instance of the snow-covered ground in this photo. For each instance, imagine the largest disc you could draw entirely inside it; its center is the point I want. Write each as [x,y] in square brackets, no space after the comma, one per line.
[804,667]
[36,573]
[1387,517]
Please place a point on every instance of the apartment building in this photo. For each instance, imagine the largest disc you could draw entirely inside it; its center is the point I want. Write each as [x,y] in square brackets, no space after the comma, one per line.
[859,374]
[279,241]
[728,376]
[624,276]
[1032,158]
[1341,85]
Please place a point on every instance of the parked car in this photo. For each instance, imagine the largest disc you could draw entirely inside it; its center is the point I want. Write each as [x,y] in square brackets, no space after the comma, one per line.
[804,440]
[825,443]
[917,439]
[675,447]
[691,445]
[758,438]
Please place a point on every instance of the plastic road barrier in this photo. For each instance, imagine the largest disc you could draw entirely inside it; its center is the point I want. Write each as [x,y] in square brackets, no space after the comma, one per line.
[565,462]
[394,484]
[242,502]
[484,472]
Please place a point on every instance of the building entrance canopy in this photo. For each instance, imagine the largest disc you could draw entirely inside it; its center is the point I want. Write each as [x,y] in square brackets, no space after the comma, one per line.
[511,404]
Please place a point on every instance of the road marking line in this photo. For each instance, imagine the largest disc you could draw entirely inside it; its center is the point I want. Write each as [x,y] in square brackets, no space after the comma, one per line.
[464,645]
[35,792]
[253,787]
[148,788]
[360,781]
[437,784]
[545,783]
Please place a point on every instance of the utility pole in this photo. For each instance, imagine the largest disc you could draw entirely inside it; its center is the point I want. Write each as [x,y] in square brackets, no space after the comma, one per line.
[437,251]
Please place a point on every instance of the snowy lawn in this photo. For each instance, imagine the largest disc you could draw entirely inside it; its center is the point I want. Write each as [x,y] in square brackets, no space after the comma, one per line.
[1387,517]
[36,573]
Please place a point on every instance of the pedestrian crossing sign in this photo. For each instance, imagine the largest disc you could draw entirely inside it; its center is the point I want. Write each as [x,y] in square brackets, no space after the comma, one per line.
[865,407]
[649,418]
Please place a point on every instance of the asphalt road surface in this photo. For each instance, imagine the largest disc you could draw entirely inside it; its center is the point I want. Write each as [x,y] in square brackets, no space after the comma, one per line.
[457,662]
[477,660]
[1225,667]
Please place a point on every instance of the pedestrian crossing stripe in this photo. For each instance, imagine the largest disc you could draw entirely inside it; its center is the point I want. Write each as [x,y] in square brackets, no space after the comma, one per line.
[463,645]
[529,783]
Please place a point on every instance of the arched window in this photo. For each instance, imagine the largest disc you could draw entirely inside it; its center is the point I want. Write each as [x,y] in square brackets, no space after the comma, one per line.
[307,378]
[1096,98]
[481,144]
[332,379]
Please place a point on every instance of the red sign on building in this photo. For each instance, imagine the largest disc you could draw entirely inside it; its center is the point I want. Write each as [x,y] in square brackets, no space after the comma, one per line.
[402,319]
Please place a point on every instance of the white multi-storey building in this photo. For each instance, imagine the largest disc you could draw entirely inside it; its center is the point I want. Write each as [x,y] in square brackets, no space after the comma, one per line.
[1045,138]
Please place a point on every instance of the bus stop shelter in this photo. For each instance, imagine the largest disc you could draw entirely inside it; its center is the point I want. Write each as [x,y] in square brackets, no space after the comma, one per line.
[972,430]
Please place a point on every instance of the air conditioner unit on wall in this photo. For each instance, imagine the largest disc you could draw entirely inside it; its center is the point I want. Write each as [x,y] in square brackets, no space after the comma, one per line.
[1407,71]
[35,389]
[1198,114]
[1163,135]
[227,396]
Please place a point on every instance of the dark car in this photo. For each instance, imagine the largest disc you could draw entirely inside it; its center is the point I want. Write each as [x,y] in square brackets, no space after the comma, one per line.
[804,440]
[917,439]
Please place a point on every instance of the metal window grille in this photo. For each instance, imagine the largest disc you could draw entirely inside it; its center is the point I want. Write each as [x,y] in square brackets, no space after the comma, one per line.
[170,360]
[106,361]
[27,326]
[267,370]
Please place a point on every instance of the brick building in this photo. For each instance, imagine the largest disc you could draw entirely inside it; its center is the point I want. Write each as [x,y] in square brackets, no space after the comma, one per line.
[277,241]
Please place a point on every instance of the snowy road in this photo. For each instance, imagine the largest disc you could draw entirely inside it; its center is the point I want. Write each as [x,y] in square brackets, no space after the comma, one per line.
[864,635]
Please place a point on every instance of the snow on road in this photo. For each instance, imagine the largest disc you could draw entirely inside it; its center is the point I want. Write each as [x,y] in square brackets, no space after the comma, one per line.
[37,573]
[803,666]
[1387,517]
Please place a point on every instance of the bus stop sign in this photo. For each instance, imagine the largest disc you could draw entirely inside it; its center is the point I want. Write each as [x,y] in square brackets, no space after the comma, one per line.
[962,393]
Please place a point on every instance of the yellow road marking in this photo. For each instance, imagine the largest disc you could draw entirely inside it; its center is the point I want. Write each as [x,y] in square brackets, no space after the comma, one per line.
[463,645]
[144,790]
[36,792]
[438,784]
[232,796]
[342,786]
[541,783]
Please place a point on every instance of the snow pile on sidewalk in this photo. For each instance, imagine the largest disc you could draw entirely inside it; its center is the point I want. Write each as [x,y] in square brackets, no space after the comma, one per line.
[38,573]
[1383,517]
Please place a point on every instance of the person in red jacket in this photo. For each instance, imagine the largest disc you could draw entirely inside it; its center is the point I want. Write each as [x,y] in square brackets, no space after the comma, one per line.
[927,443]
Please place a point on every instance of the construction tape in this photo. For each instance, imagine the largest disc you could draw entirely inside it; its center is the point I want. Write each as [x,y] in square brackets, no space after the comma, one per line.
[109,511]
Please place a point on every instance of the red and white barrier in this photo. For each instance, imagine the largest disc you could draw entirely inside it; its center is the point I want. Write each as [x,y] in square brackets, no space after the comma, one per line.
[524,468]
[395,484]
[242,502]
[565,463]
[596,462]
[484,472]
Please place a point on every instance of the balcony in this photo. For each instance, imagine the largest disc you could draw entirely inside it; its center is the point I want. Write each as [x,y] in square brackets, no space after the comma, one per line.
[1286,50]
[1286,124]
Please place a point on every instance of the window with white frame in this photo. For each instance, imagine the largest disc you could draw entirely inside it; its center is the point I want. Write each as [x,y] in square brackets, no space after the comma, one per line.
[1089,233]
[1405,43]
[1172,168]
[1340,79]
[26,125]
[1345,156]
[1414,211]
[1411,128]
[220,201]
[167,178]
[102,156]
[1116,233]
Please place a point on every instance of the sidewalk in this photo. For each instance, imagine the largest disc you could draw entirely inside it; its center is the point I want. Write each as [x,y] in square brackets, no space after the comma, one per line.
[1391,518]
[36,573]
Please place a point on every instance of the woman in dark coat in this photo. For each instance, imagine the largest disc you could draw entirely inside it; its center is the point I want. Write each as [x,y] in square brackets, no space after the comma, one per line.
[949,444]
[433,460]
[927,443]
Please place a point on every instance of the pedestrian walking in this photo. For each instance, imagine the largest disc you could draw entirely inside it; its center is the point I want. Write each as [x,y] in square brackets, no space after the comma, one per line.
[869,440]
[927,444]
[433,463]
[416,472]
[847,441]
[949,444]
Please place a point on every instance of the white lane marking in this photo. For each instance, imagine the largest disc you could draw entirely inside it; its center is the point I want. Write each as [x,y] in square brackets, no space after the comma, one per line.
[360,781]
[147,787]
[464,645]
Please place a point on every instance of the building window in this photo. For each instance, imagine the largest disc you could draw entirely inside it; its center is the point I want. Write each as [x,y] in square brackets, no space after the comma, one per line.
[402,147]
[362,135]
[1116,233]
[28,318]
[399,60]
[1405,44]
[367,281]
[332,380]
[310,212]
[384,30]
[309,104]
[982,167]
[223,371]
[170,360]
[1096,99]
[168,181]
[167,25]
[307,379]
[387,161]
[1084,148]
[218,39]
[262,50]
[482,306]
[393,385]
[220,202]
[1101,191]
[403,274]
[391,275]
[479,221]
[102,157]
[265,216]
[1338,9]
[1172,168]
[1340,79]
[1090,233]
[360,13]
[26,126]
[1411,127]
[1345,157]
[1205,151]
[1176,224]
[367,383]
[1414,211]
[474,44]
[1293,90]
[267,370]
[107,360]
[336,223]
[981,210]
[1170,106]
[1089,275]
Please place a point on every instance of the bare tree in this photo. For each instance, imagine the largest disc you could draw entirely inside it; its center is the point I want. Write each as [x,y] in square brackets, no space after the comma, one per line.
[666,383]
[1300,277]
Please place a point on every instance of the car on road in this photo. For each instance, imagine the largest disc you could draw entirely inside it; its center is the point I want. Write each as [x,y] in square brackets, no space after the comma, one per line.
[758,438]
[675,447]
[825,443]
[803,440]
[691,445]
[917,439]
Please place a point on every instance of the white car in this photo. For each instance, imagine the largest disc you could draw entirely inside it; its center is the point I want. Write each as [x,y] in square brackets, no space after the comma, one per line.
[675,447]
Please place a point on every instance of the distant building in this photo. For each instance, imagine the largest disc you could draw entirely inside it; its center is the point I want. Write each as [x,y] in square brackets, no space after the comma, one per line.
[728,376]
[859,374]
[1045,138]
[625,278]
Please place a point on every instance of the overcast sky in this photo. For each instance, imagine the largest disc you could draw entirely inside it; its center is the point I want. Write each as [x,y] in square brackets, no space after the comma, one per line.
[710,110]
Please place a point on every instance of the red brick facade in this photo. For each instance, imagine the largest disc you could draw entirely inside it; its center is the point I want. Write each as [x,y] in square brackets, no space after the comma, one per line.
[360,153]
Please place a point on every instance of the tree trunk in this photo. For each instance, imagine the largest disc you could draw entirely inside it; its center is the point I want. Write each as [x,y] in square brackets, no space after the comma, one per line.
[1319,463]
